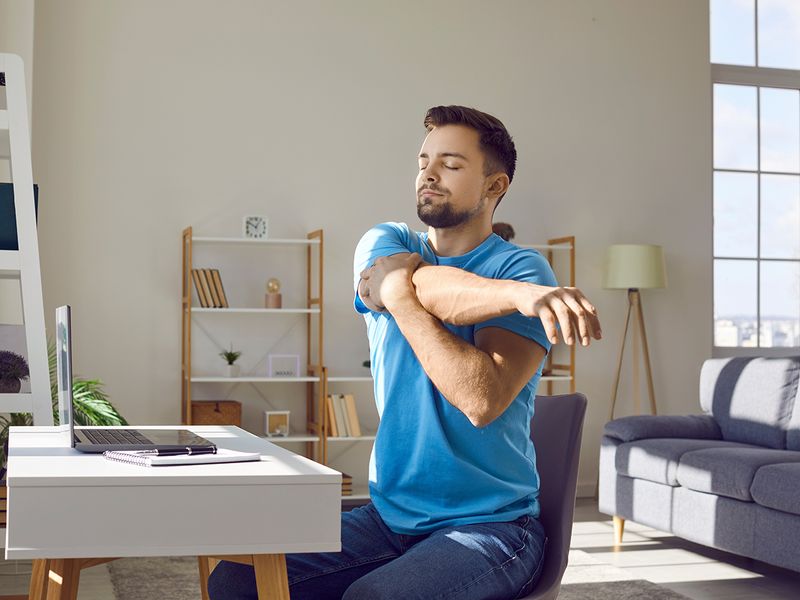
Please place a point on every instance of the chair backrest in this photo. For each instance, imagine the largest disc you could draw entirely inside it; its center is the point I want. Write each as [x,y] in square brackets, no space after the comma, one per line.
[556,432]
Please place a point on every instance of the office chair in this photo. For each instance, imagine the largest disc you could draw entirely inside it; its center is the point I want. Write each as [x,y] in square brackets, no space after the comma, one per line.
[556,432]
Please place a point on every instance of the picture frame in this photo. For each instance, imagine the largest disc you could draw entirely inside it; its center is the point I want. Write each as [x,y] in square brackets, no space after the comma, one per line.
[283,365]
[276,423]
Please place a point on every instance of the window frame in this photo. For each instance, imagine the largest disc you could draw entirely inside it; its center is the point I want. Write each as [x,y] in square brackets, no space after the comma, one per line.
[758,77]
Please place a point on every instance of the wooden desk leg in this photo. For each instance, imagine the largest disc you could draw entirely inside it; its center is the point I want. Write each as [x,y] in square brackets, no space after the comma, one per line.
[272,580]
[63,578]
[38,587]
[206,564]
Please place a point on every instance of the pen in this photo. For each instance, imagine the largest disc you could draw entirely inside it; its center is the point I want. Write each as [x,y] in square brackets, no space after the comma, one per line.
[179,451]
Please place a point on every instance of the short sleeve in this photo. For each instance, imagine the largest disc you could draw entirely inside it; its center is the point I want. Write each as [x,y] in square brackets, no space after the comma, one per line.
[531,267]
[385,239]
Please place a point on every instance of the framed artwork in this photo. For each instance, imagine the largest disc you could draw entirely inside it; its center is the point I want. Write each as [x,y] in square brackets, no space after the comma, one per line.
[276,423]
[283,365]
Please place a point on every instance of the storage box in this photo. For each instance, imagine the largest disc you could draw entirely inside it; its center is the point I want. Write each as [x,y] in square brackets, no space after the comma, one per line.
[217,412]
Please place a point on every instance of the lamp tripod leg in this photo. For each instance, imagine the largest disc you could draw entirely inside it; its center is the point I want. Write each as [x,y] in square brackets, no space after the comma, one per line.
[619,365]
[648,370]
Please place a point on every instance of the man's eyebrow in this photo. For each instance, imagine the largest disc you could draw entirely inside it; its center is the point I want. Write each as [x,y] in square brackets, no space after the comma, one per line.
[450,154]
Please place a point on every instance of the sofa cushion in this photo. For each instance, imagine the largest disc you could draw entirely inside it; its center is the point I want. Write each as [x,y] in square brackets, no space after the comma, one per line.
[751,398]
[657,459]
[641,427]
[778,487]
[728,471]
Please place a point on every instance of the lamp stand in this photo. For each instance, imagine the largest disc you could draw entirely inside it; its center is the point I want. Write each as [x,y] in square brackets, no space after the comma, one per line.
[639,334]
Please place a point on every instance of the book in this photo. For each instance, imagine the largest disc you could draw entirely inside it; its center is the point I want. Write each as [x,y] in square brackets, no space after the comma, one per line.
[341,415]
[220,290]
[212,288]
[333,430]
[352,415]
[206,289]
[145,458]
[198,287]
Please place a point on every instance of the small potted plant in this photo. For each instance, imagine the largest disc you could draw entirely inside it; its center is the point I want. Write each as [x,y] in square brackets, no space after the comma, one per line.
[13,370]
[230,357]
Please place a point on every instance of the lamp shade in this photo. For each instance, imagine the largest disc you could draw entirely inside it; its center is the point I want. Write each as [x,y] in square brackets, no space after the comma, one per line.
[637,266]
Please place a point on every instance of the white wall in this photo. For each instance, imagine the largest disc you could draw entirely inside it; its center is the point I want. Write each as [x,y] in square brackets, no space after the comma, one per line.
[152,116]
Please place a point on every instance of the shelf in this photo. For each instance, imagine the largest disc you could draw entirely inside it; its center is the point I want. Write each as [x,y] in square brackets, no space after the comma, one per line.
[353,378]
[274,241]
[547,246]
[290,439]
[362,438]
[223,379]
[359,493]
[256,311]
[555,378]
[9,261]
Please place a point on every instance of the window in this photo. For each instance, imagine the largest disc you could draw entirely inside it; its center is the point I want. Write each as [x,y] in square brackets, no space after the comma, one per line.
[755,66]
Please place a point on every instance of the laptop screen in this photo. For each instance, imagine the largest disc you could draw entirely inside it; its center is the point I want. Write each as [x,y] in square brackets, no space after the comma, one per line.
[64,370]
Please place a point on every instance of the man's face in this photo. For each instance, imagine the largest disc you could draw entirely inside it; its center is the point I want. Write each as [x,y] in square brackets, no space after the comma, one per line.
[451,182]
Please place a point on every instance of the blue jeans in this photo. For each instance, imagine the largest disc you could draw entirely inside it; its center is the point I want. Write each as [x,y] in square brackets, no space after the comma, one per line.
[470,562]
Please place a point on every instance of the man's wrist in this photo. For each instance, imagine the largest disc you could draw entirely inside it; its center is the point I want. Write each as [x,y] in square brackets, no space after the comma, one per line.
[403,301]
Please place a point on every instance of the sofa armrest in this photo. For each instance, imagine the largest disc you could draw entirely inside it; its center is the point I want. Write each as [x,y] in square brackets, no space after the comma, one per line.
[640,427]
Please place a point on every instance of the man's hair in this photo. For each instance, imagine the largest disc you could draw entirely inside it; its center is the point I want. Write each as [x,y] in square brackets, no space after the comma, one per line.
[495,142]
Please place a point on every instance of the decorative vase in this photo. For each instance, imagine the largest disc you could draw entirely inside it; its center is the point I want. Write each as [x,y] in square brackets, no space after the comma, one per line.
[233,370]
[10,385]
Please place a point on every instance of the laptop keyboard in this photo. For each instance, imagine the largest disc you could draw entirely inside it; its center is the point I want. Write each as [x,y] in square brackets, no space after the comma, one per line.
[115,436]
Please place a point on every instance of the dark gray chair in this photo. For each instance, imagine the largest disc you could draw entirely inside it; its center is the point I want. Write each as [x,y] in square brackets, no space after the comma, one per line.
[556,432]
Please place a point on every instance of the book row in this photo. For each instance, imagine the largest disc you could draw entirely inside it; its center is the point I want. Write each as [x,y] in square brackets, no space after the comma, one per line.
[342,416]
[208,285]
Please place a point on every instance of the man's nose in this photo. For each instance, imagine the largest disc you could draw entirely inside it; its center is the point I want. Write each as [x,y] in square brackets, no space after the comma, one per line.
[429,174]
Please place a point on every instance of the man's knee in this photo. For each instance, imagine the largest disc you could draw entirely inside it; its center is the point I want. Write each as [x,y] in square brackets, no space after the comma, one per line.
[231,581]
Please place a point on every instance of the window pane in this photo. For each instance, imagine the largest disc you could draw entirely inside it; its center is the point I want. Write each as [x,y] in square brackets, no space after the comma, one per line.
[779,34]
[735,215]
[735,127]
[780,130]
[780,216]
[780,304]
[735,303]
[733,32]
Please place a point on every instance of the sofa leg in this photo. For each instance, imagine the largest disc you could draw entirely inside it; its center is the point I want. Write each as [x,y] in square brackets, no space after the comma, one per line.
[619,527]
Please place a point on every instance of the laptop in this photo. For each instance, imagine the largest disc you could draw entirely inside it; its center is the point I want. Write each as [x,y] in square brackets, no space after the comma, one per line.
[96,440]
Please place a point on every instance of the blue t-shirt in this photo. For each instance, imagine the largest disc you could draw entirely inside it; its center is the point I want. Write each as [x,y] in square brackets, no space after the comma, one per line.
[430,467]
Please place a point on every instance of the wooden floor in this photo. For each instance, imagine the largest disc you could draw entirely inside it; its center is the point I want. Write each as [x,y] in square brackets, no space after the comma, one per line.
[695,571]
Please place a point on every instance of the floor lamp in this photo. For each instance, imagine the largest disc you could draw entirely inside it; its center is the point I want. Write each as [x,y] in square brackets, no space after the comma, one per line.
[635,267]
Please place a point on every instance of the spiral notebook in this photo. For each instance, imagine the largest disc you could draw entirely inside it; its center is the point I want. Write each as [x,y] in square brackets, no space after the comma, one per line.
[144,458]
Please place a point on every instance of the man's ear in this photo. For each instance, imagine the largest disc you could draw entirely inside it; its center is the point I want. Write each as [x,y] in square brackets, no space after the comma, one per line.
[496,185]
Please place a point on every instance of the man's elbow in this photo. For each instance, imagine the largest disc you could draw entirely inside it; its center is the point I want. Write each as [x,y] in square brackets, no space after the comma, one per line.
[486,411]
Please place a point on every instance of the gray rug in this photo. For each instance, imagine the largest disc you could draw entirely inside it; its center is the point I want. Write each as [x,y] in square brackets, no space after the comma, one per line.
[177,579]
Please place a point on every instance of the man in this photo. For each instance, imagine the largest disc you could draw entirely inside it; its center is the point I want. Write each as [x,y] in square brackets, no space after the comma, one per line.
[459,322]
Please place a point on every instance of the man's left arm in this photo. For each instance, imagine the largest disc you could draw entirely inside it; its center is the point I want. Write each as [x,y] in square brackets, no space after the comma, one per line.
[481,380]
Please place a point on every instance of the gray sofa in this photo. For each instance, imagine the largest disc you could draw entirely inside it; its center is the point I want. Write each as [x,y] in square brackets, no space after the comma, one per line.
[729,478]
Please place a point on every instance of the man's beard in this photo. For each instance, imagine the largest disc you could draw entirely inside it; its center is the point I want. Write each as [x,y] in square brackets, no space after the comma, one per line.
[443,215]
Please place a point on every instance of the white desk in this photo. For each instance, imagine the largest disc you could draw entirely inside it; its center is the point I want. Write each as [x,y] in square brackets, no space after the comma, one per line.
[63,504]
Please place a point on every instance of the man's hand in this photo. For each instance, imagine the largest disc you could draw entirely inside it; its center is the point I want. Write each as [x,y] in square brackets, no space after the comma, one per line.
[388,280]
[566,306]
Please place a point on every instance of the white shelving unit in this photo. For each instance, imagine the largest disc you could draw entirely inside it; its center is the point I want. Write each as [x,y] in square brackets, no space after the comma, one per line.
[23,264]
[313,309]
